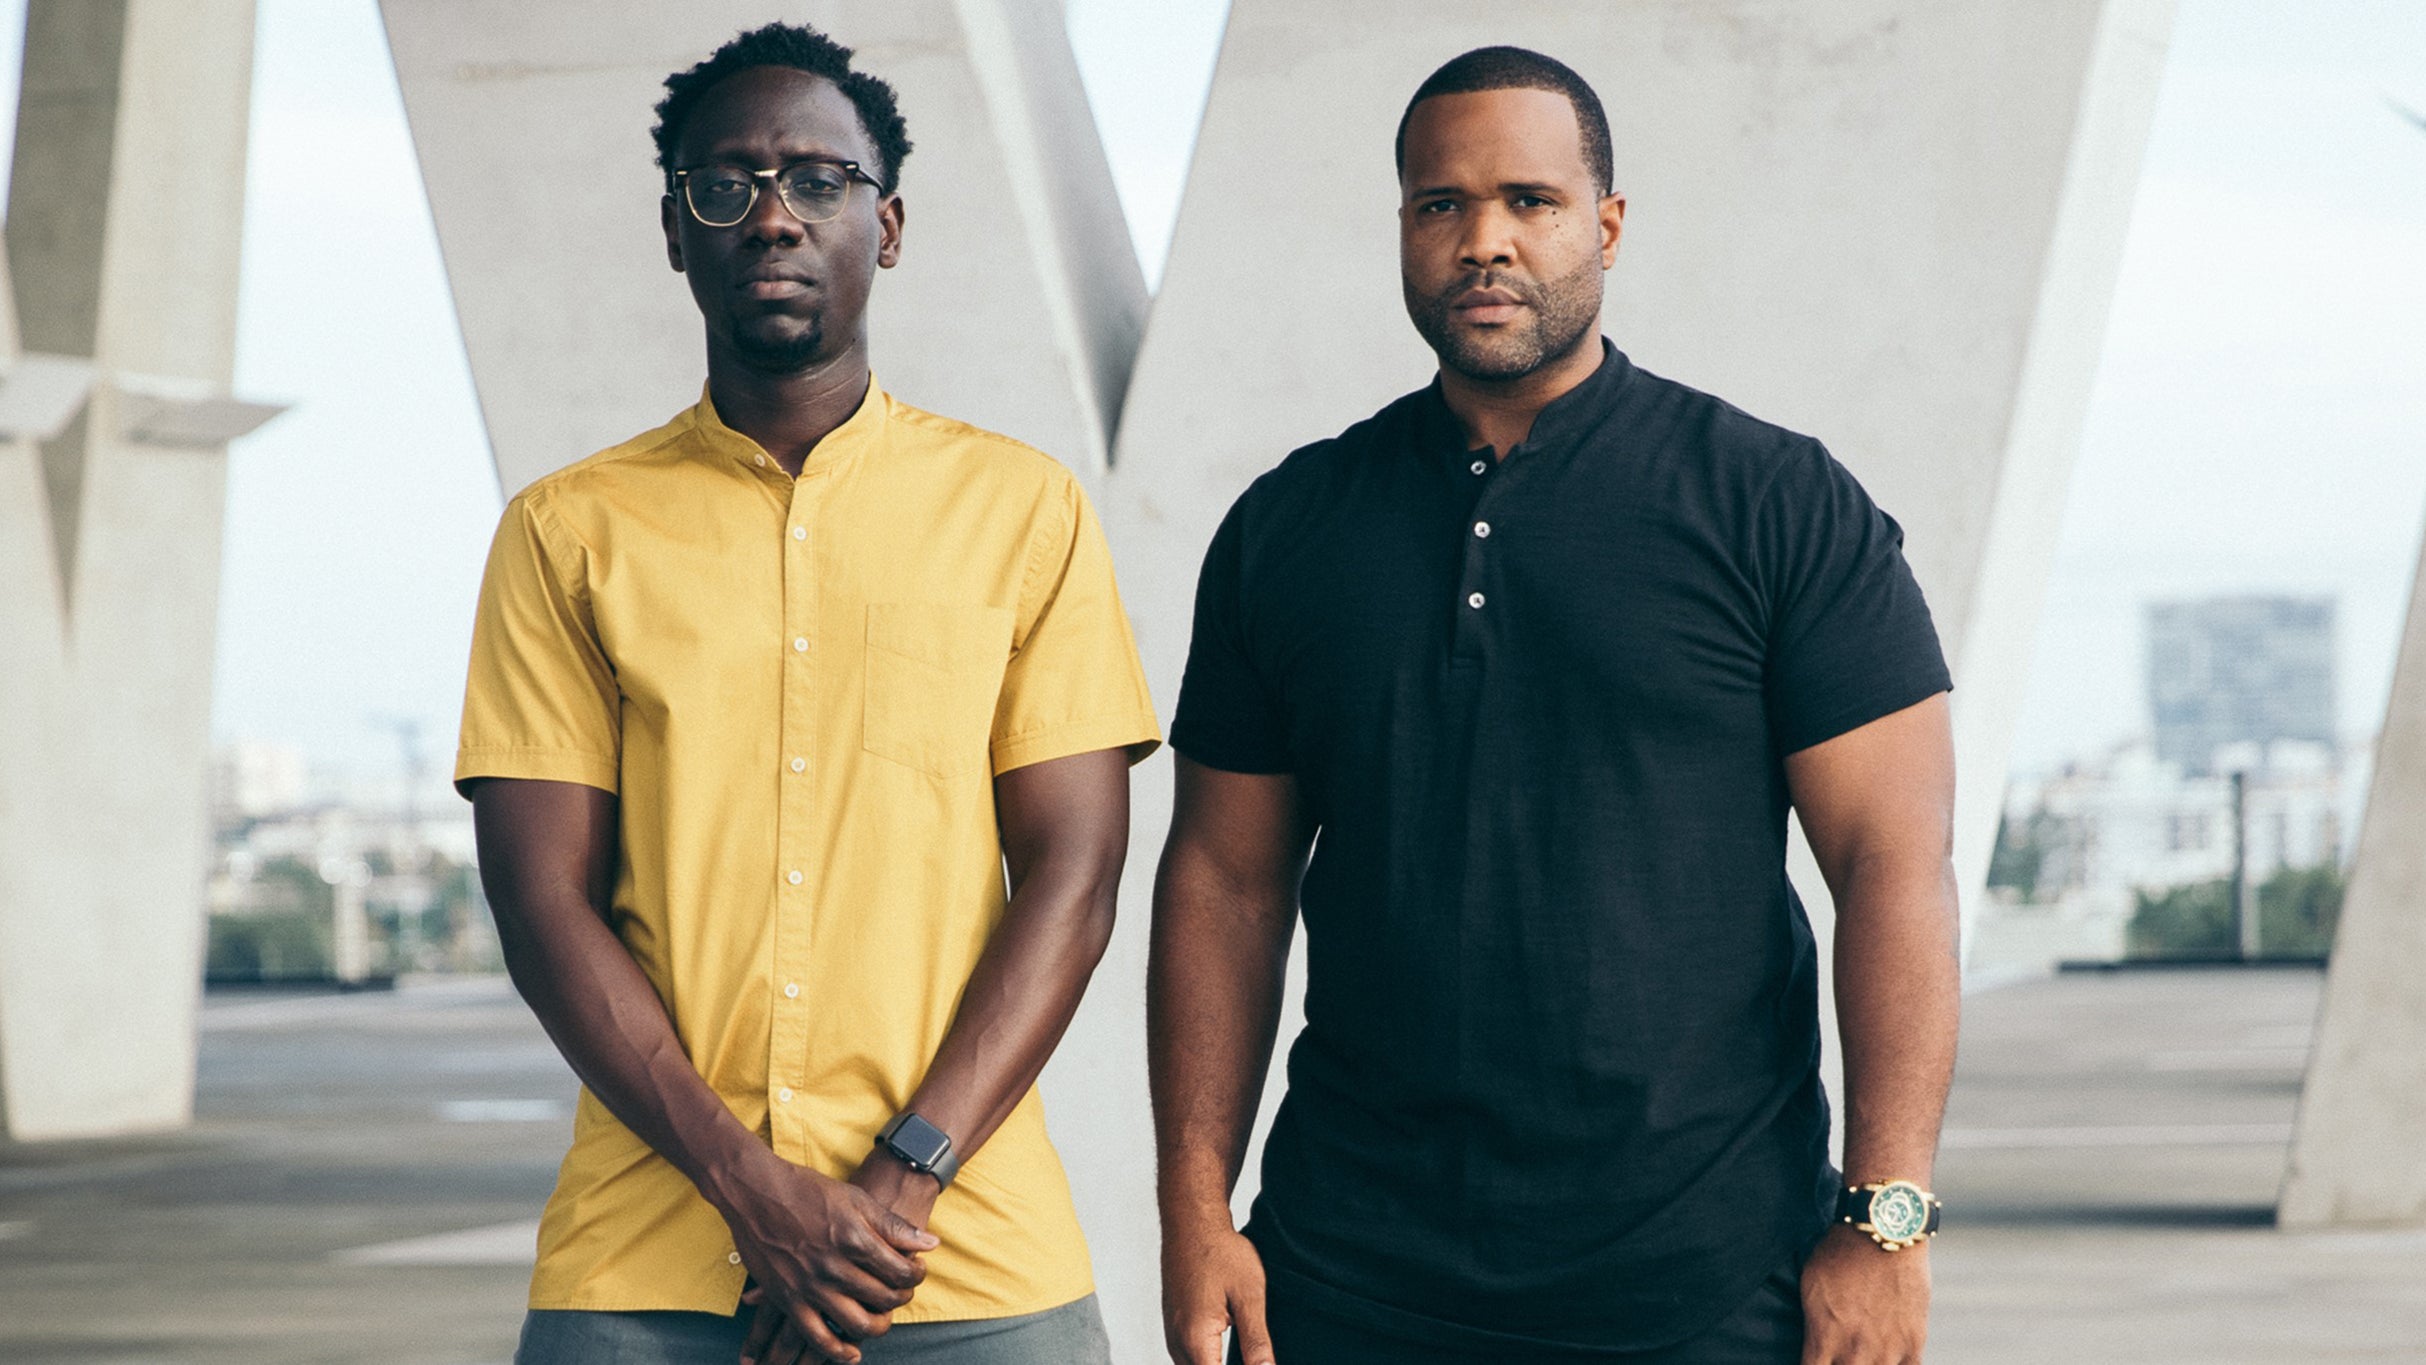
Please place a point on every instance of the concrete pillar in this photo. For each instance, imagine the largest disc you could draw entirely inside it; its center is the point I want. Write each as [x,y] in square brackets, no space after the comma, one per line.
[2362,1121]
[123,234]
[1018,300]
[1892,225]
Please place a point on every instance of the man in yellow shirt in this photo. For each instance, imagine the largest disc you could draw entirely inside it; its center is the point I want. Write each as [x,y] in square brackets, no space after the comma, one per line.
[761,702]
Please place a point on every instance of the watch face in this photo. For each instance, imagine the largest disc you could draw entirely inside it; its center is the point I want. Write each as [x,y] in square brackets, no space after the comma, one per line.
[1899,1212]
[918,1142]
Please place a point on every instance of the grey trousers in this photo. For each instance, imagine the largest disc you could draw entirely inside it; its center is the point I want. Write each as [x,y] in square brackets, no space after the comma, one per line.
[1072,1334]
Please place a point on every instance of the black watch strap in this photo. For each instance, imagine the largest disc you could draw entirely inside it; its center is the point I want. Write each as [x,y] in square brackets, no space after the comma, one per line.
[921,1146]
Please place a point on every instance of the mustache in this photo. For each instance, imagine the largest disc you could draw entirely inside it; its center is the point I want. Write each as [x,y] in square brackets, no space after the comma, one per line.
[1524,289]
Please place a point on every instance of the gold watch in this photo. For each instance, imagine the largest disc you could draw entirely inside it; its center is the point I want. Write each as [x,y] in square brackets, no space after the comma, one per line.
[1896,1213]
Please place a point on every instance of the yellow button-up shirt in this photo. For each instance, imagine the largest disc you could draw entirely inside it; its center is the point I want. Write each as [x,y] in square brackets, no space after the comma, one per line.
[801,689]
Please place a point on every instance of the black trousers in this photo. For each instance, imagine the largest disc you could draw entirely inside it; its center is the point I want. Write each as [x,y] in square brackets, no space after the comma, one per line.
[1766,1330]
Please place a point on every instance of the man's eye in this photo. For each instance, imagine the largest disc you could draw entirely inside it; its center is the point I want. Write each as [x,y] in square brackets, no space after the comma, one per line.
[1436,207]
[1533,201]
[818,182]
[723,184]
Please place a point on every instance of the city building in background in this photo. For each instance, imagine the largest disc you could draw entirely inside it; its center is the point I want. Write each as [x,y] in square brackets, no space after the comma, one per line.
[2242,791]
[2225,672]
[354,882]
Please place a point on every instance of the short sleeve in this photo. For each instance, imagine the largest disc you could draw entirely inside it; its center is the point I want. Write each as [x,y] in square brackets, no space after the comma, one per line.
[1849,638]
[1074,684]
[1228,717]
[540,700]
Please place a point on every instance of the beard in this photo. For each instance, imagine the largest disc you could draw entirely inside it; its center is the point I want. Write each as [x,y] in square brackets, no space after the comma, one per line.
[1563,311]
[777,354]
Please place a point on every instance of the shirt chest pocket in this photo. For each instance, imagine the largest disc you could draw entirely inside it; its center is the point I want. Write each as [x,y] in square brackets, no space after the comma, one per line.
[934,673]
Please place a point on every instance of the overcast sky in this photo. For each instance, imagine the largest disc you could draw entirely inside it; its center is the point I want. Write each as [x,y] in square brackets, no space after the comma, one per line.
[2259,423]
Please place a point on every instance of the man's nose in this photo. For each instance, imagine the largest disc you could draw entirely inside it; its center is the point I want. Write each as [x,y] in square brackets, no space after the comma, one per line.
[1488,239]
[769,222]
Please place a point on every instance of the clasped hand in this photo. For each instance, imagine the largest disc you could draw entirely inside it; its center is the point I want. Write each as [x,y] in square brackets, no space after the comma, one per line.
[830,1260]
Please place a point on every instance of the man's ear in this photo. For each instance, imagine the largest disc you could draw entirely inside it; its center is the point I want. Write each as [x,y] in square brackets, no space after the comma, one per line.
[668,219]
[891,216]
[1612,226]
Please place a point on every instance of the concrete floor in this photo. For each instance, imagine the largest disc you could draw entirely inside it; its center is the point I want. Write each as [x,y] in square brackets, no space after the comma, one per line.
[364,1174]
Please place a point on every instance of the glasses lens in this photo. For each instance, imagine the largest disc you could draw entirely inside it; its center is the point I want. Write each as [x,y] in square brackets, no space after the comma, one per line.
[815,190]
[720,195]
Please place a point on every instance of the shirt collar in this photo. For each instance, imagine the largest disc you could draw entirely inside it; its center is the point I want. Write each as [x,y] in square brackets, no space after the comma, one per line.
[859,433]
[1567,418]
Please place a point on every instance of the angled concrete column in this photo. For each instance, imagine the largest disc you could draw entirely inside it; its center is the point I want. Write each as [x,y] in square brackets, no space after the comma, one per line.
[1016,305]
[125,211]
[2355,1151]
[1893,225]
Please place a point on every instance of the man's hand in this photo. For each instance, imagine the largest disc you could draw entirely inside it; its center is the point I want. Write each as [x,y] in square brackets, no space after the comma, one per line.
[1862,1305]
[1212,1279]
[831,1262]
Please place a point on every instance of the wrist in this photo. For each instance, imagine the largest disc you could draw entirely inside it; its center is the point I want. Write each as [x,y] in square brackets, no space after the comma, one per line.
[1895,1213]
[1197,1218]
[733,1172]
[921,1146]
[887,1175]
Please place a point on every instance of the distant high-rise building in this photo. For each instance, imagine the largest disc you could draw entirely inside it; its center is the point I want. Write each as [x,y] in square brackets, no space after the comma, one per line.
[2239,671]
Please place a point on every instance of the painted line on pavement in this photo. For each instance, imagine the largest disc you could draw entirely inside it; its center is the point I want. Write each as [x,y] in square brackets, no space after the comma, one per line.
[498,1244]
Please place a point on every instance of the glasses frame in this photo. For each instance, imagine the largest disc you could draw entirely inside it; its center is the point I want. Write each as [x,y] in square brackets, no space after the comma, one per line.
[679,183]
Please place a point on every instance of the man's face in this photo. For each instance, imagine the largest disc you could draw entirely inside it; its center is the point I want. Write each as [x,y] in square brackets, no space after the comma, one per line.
[1503,231]
[780,296]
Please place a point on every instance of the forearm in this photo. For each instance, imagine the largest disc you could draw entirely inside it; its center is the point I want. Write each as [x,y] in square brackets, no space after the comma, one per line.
[609,1023]
[1898,1004]
[1213,996]
[1065,835]
[1019,1000]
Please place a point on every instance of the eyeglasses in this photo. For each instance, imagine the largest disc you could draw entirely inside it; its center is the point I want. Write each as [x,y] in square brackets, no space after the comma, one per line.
[812,191]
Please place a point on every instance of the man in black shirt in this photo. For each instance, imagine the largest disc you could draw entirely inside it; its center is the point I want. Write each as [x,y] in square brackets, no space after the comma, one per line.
[1535,661]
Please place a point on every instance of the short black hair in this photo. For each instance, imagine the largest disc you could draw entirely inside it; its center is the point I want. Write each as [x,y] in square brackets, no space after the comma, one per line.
[1516,68]
[803,49]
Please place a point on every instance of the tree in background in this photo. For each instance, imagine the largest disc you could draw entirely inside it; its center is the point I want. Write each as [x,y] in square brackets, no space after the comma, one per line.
[2297,910]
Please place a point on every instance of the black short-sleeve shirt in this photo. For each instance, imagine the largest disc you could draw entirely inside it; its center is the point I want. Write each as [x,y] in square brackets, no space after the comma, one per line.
[1558,1082]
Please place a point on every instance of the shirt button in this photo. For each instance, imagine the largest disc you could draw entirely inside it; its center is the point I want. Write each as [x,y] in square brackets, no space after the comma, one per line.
[1482,529]
[794,876]
[737,1255]
[1479,466]
[800,644]
[1473,599]
[791,990]
[800,765]
[800,533]
[784,1096]
[734,1257]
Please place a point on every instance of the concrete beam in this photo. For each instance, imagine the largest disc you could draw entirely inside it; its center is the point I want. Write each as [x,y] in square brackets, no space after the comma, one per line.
[1892,225]
[135,114]
[1018,300]
[2362,1121]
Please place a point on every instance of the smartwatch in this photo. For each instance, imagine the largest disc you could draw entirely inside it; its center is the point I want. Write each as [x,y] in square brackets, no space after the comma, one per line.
[921,1146]
[1896,1213]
